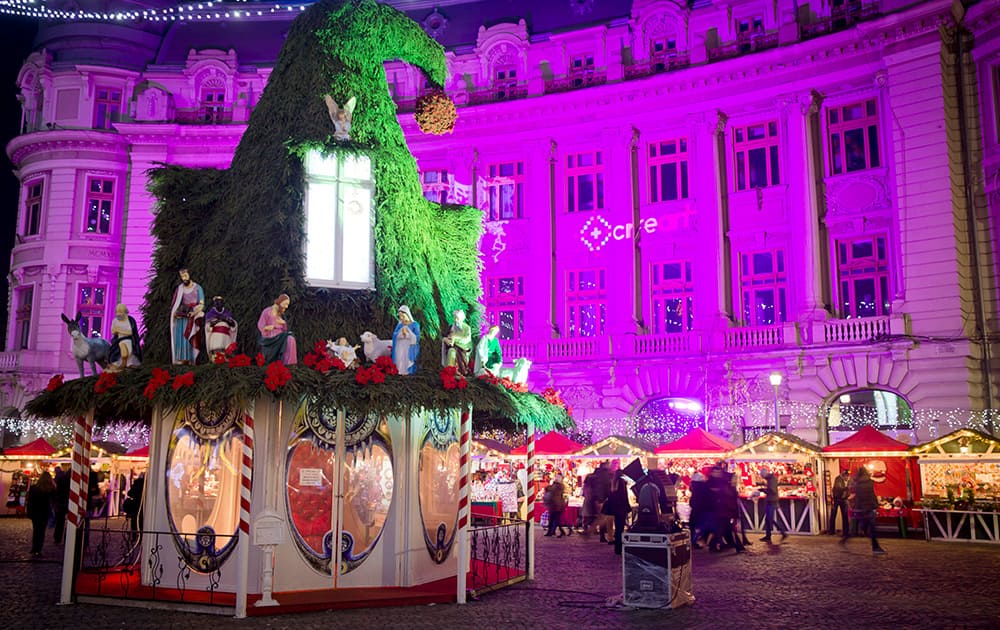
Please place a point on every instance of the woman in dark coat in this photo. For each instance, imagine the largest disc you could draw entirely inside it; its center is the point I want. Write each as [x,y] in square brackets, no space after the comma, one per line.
[39,510]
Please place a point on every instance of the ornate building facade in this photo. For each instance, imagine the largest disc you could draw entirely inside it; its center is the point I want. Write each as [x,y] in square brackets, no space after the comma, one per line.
[740,215]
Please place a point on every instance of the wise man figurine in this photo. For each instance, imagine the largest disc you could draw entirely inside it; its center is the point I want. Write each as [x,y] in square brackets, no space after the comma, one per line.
[187,318]
[455,347]
[220,326]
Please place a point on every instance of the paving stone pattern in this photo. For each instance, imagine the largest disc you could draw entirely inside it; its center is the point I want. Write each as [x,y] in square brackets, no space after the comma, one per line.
[807,582]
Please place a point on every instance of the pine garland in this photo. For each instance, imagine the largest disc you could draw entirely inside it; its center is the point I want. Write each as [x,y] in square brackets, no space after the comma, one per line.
[214,385]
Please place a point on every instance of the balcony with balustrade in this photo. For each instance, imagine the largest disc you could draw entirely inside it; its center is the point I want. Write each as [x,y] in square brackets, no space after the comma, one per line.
[742,340]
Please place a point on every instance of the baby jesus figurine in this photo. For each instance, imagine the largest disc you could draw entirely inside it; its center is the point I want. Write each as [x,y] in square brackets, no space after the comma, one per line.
[343,351]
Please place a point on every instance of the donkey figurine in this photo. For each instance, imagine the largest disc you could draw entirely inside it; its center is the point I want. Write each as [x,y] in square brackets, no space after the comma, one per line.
[92,350]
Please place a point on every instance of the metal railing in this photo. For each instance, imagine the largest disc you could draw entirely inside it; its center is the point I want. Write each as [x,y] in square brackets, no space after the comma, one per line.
[575,81]
[665,63]
[116,561]
[498,553]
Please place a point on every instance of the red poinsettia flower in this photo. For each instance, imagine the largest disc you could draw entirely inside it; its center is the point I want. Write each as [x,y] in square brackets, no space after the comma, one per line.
[105,381]
[362,376]
[54,383]
[260,359]
[232,348]
[277,376]
[184,380]
[219,358]
[386,365]
[239,360]
[159,378]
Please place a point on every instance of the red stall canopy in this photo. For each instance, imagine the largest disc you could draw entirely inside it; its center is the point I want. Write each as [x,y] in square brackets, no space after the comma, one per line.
[138,453]
[551,443]
[38,448]
[867,440]
[885,458]
[696,441]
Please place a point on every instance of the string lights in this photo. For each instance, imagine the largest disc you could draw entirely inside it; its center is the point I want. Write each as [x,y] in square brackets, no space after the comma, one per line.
[215,11]
[130,434]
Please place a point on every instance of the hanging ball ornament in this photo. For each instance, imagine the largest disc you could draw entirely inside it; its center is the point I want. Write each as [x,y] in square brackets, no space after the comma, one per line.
[435,113]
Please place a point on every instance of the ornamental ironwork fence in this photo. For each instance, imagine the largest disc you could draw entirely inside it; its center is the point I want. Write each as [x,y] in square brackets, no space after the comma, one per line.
[116,561]
[498,554]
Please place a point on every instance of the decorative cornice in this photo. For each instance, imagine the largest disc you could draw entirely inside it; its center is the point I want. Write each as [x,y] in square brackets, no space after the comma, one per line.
[22,147]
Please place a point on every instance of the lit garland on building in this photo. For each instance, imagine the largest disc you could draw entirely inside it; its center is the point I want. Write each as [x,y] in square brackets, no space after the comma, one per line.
[194,11]
[130,434]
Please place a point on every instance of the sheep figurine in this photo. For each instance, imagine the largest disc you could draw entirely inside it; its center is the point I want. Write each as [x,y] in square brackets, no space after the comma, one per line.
[375,347]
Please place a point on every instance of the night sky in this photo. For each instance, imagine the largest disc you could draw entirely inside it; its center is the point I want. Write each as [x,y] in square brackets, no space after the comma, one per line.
[16,36]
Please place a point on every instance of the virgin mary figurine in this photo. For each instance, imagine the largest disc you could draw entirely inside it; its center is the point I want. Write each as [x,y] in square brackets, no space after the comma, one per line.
[406,342]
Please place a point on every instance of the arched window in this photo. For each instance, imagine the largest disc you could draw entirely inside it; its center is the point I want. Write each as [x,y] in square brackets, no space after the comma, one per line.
[877,408]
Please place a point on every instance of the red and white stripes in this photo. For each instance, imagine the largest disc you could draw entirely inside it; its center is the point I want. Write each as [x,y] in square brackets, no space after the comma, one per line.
[532,486]
[464,447]
[80,475]
[246,474]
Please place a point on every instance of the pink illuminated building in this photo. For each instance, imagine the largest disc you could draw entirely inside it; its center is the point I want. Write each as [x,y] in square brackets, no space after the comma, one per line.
[681,199]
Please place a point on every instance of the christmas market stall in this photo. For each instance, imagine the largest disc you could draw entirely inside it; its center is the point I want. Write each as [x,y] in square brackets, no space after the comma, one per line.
[495,489]
[19,467]
[960,478]
[796,463]
[892,468]
[554,456]
[694,452]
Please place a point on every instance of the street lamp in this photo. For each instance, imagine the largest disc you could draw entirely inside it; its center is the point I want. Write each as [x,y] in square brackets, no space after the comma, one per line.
[775,379]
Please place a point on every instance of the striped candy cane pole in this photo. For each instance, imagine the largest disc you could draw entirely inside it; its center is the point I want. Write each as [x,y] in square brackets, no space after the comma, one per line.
[464,448]
[246,485]
[532,493]
[246,474]
[80,475]
[78,485]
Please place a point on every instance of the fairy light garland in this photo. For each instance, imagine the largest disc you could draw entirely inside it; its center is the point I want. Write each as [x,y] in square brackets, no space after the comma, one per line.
[130,434]
[213,11]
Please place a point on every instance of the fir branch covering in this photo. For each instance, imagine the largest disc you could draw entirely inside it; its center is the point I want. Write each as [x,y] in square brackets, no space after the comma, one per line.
[214,384]
[240,231]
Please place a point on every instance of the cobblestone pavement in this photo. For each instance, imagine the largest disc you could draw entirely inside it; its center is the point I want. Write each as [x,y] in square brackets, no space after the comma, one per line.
[807,582]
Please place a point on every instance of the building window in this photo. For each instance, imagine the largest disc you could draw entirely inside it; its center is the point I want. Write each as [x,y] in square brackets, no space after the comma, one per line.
[33,208]
[505,188]
[763,284]
[671,297]
[505,305]
[746,29]
[586,303]
[581,70]
[213,101]
[756,149]
[863,276]
[853,137]
[584,182]
[505,82]
[107,106]
[22,318]
[338,205]
[668,170]
[436,185]
[100,196]
[995,75]
[90,307]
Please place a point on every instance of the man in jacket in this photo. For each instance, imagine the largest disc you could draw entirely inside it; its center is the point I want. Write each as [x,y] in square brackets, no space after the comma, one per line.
[770,488]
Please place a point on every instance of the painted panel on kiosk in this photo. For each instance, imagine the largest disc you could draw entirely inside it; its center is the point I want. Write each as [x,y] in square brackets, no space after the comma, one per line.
[368,485]
[438,478]
[203,484]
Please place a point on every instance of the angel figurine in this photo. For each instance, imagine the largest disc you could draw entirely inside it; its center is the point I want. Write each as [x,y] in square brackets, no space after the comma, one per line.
[341,117]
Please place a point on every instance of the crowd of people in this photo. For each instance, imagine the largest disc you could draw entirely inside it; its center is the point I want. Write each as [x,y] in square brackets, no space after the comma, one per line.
[714,495]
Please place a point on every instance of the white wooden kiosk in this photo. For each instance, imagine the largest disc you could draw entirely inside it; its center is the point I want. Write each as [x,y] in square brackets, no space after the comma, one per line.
[960,478]
[796,462]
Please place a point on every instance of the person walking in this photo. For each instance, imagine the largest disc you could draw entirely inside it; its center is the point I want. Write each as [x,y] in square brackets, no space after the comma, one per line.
[618,506]
[555,502]
[39,509]
[840,492]
[864,503]
[61,503]
[770,487]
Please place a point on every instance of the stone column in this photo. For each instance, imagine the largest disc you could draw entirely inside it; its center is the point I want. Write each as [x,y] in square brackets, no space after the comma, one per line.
[803,164]
[711,259]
